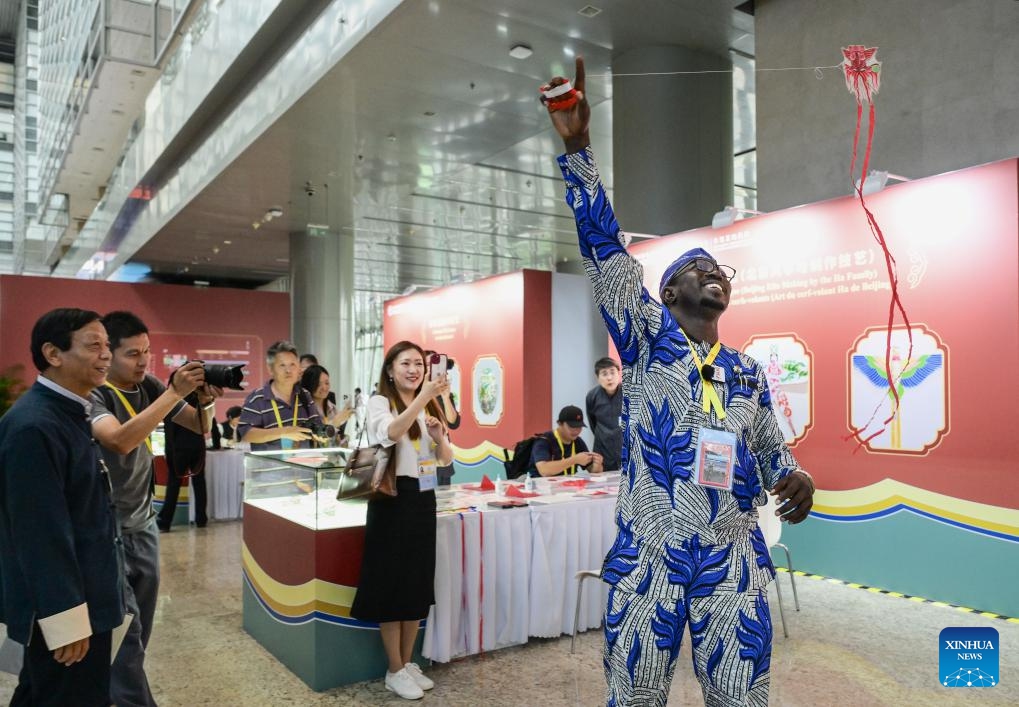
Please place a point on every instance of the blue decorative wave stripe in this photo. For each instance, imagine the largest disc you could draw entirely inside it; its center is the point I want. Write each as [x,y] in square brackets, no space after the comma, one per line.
[310,616]
[891,510]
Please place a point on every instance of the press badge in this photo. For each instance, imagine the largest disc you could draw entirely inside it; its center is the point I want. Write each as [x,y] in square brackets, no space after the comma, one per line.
[427,478]
[715,461]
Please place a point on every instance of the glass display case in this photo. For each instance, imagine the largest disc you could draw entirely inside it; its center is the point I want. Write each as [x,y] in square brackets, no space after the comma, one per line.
[300,485]
[301,557]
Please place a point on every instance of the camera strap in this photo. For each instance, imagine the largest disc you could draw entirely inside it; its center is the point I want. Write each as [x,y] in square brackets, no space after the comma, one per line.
[127,406]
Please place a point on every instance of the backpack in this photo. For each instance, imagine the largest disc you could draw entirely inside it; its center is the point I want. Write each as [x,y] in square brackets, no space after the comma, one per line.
[520,464]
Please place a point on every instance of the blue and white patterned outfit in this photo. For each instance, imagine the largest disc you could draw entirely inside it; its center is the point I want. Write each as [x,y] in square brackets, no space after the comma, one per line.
[682,552]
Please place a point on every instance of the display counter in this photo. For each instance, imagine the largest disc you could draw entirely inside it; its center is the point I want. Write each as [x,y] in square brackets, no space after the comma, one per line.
[502,575]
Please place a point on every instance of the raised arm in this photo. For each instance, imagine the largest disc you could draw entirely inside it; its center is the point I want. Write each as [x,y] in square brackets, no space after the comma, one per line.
[616,277]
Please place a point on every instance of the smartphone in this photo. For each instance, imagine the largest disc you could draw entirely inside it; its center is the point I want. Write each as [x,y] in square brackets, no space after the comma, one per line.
[437,363]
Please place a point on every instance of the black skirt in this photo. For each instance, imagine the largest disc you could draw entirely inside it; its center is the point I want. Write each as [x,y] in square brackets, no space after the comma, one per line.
[398,567]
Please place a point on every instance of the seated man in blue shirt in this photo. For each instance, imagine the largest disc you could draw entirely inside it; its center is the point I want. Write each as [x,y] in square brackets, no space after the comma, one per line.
[562,451]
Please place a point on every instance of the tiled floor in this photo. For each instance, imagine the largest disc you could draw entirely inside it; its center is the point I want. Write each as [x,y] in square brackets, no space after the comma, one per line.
[846,647]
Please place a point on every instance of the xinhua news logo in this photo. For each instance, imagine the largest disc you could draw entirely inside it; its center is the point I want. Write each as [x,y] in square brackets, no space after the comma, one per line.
[968,657]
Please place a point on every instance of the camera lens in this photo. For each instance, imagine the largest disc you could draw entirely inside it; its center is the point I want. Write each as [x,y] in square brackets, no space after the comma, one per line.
[224,376]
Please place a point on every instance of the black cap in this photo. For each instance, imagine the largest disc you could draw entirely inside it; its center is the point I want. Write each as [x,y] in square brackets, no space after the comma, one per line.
[572,416]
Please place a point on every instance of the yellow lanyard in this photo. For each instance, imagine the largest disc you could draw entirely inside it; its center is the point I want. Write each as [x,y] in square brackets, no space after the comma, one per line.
[276,410]
[417,442]
[710,398]
[562,451]
[130,410]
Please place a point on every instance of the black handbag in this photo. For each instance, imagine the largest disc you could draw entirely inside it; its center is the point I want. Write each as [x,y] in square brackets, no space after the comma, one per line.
[370,473]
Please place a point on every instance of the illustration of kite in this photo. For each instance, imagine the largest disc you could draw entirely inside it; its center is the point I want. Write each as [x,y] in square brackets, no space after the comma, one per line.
[863,79]
[904,377]
[774,372]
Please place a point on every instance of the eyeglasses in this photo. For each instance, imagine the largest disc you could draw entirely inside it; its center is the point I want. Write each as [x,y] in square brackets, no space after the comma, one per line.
[705,265]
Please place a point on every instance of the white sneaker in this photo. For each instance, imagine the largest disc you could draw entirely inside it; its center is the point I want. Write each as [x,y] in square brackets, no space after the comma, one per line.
[415,672]
[403,684]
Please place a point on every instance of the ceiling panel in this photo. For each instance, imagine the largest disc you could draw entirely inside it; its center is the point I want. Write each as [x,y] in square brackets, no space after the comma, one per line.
[427,142]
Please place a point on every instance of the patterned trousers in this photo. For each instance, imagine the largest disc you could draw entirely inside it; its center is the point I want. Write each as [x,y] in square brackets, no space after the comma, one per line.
[731,635]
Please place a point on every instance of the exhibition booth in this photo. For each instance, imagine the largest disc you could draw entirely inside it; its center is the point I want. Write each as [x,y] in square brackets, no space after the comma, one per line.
[926,505]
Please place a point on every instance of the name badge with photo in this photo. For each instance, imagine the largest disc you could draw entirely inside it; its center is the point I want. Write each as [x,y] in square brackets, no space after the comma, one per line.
[715,462]
[427,478]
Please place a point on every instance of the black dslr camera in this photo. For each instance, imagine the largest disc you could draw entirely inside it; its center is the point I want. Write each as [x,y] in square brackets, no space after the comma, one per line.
[223,376]
[320,430]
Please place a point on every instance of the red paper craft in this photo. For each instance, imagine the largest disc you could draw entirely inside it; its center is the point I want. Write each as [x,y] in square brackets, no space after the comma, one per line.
[485,485]
[574,483]
[514,492]
[863,79]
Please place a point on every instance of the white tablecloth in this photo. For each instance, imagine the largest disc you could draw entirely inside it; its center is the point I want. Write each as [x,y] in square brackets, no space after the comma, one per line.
[224,483]
[502,576]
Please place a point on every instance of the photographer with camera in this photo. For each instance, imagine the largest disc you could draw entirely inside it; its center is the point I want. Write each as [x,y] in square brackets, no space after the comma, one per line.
[280,414]
[125,411]
[185,449]
[315,380]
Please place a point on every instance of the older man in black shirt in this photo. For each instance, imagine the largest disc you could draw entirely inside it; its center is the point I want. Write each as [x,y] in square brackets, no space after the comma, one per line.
[60,552]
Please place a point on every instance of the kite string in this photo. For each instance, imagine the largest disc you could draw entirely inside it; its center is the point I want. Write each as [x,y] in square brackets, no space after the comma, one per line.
[818,71]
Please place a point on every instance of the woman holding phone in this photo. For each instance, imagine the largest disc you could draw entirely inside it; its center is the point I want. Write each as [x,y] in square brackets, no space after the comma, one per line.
[315,380]
[398,566]
[438,364]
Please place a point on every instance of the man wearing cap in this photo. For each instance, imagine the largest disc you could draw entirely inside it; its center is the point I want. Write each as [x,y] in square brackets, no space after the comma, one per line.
[701,447]
[562,451]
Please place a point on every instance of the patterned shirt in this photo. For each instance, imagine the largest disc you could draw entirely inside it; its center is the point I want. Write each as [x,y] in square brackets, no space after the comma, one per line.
[671,532]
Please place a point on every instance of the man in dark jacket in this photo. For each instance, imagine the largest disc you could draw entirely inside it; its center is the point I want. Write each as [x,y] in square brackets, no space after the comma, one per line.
[604,410]
[60,552]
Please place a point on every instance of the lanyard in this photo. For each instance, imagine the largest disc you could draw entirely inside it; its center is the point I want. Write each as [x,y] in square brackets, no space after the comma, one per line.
[417,448]
[276,410]
[562,450]
[709,399]
[130,410]
[417,442]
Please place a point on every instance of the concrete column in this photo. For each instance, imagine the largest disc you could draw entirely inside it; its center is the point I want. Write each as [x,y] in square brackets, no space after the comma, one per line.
[322,302]
[671,139]
[949,94]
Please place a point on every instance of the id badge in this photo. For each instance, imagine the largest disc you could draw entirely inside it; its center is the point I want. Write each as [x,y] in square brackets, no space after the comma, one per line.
[715,462]
[286,443]
[427,478]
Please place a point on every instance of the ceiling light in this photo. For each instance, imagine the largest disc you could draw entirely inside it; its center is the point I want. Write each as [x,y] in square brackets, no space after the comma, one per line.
[520,51]
[876,181]
[273,212]
[568,51]
[589,11]
[256,225]
[727,216]
[227,242]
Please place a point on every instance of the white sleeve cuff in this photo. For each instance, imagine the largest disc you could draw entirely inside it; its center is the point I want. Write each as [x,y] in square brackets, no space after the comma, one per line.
[66,627]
